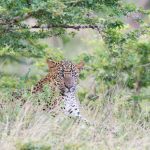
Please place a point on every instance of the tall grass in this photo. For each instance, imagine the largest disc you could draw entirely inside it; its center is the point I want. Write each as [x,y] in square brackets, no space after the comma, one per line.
[116,126]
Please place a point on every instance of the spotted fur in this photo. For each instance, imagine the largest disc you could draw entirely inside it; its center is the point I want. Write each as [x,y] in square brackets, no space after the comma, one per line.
[71,106]
[62,76]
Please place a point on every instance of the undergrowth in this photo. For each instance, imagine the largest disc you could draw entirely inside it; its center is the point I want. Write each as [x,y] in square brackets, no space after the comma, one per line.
[117,126]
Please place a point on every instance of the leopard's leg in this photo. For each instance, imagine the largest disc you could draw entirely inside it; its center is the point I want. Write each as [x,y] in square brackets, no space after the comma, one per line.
[51,96]
[76,113]
[40,84]
[56,102]
[71,108]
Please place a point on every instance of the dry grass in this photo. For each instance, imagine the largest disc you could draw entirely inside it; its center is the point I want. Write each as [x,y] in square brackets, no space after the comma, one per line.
[28,128]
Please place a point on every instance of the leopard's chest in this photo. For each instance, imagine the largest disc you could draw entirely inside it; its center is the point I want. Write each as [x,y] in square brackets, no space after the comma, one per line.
[71,105]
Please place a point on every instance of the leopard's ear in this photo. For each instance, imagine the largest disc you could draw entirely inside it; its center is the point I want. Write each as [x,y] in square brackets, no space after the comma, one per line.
[51,63]
[80,65]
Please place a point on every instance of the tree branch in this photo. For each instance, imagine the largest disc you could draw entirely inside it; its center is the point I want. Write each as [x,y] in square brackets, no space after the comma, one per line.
[75,27]
[15,20]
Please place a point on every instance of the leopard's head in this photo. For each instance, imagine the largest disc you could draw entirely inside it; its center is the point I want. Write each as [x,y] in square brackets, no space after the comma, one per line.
[66,74]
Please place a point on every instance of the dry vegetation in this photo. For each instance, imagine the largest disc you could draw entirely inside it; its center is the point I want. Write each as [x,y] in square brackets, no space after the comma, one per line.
[116,126]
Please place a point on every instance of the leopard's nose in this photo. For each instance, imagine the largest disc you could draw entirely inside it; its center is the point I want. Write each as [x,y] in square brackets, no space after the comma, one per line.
[68,82]
[68,86]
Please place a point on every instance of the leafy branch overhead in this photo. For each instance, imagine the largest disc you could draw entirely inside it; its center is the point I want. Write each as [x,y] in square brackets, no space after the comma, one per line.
[56,16]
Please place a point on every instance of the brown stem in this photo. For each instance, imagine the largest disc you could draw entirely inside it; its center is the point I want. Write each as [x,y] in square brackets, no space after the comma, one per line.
[75,27]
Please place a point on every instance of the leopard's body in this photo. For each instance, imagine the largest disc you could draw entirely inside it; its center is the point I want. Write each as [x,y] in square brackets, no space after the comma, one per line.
[62,76]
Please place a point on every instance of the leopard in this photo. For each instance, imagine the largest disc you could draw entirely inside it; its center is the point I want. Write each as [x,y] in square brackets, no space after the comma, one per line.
[62,77]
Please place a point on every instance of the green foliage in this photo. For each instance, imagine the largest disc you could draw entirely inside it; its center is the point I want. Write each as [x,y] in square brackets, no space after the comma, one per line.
[19,38]
[119,58]
[74,146]
[33,146]
[8,81]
